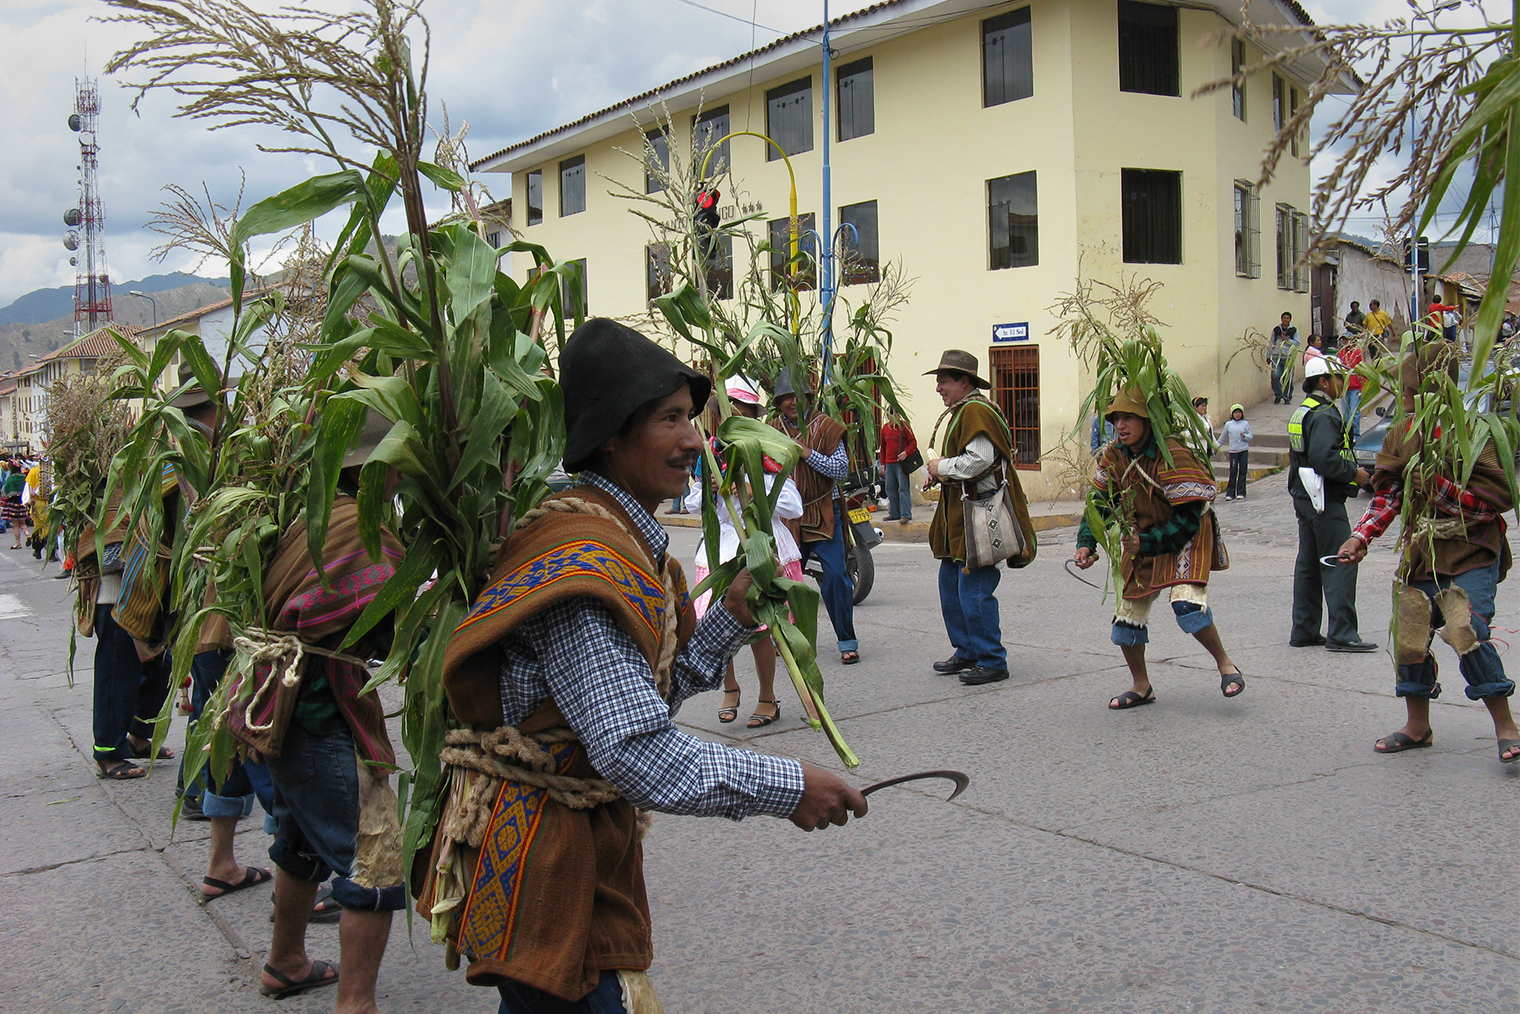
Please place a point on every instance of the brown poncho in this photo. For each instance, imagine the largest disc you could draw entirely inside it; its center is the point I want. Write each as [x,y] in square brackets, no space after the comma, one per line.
[1157,489]
[822,435]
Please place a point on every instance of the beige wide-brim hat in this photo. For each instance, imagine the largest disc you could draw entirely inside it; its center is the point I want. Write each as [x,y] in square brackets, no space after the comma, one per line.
[957,361]
[1130,399]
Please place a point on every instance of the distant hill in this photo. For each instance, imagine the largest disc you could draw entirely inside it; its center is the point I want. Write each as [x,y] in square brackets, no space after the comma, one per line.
[43,305]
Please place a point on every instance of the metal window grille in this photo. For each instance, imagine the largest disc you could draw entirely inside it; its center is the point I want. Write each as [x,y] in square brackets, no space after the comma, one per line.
[1016,389]
[1247,230]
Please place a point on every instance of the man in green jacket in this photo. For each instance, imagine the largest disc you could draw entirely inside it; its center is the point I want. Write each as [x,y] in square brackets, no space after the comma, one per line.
[1322,474]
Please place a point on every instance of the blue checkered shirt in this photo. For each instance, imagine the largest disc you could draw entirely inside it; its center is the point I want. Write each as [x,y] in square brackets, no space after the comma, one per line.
[576,654]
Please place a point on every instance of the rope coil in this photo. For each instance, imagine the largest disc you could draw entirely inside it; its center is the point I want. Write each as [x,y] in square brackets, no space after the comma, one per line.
[285,652]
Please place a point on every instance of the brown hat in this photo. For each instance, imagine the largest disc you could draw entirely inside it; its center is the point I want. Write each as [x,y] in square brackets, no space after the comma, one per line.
[1424,360]
[195,397]
[956,361]
[1130,399]
[376,426]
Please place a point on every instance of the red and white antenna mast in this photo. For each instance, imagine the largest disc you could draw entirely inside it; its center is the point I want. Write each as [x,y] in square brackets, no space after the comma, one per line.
[92,284]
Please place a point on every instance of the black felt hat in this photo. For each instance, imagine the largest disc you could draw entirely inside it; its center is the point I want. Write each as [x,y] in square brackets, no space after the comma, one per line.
[607,372]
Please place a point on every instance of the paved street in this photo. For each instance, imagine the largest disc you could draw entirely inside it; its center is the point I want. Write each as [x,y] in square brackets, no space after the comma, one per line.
[1200,854]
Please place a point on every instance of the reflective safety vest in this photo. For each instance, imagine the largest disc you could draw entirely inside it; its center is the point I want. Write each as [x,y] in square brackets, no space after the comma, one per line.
[1296,427]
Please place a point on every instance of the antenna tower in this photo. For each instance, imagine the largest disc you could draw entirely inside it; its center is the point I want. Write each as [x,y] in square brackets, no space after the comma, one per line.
[92,284]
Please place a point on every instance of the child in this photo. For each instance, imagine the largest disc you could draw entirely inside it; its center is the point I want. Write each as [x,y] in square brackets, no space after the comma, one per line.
[1236,438]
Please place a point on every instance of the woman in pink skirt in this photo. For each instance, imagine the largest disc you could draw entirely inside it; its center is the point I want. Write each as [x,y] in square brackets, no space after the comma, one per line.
[746,399]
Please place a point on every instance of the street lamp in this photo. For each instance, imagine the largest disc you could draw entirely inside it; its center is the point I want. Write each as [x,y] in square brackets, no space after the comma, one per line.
[1415,295]
[144,295]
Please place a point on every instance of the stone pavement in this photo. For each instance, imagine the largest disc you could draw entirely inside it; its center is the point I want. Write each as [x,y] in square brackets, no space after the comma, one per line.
[1200,854]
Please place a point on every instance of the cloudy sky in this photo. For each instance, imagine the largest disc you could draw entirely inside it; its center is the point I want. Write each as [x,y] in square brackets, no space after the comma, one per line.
[509,67]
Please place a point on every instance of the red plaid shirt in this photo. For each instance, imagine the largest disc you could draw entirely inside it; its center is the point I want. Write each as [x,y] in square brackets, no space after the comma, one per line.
[1448,498]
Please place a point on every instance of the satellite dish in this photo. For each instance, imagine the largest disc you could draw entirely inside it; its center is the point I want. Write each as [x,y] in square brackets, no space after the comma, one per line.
[73,262]
[87,138]
[71,240]
[75,122]
[71,217]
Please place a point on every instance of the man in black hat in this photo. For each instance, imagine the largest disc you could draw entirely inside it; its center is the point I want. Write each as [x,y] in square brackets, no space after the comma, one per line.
[824,462]
[585,645]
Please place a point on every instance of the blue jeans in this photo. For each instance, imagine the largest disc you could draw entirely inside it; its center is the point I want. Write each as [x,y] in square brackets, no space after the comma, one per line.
[606,998]
[1481,668]
[233,796]
[971,614]
[899,491]
[1282,378]
[316,807]
[129,693]
[1353,411]
[837,589]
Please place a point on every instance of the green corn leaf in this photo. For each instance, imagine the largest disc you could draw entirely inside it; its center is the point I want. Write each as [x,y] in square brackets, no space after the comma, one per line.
[444,178]
[300,204]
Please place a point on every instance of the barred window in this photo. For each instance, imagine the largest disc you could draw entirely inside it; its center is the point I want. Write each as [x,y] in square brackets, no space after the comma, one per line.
[1016,387]
[1247,230]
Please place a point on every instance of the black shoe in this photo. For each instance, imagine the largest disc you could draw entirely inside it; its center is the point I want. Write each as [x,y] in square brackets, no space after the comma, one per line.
[953,665]
[1308,642]
[190,809]
[977,675]
[1358,646]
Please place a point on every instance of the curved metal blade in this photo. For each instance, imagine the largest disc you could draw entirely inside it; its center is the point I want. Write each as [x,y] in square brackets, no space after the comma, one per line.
[960,779]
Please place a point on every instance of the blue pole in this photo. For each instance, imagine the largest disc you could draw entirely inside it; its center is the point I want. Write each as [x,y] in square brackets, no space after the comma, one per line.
[826,234]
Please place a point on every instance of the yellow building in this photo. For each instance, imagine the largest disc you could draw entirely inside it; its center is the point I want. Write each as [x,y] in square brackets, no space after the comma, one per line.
[996,150]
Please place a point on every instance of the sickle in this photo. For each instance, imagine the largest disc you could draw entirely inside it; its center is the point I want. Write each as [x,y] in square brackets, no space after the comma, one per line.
[960,780]
[1079,577]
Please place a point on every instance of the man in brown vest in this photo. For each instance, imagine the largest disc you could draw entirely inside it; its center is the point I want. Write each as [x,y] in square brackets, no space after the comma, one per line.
[569,670]
[978,452]
[824,462]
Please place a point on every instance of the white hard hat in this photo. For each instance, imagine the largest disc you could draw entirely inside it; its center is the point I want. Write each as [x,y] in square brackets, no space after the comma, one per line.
[1319,366]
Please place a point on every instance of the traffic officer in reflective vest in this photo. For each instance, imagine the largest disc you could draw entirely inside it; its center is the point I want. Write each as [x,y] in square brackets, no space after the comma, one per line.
[1322,474]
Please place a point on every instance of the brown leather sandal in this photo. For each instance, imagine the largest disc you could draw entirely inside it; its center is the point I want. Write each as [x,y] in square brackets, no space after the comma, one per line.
[759,721]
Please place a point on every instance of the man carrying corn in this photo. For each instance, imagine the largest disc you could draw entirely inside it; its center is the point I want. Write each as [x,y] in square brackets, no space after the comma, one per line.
[1322,473]
[1454,554]
[568,672]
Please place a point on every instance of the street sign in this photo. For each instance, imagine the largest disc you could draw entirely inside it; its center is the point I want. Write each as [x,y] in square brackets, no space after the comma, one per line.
[1010,332]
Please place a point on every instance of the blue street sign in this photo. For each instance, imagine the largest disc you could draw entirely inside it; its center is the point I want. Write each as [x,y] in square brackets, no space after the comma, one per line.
[1010,332]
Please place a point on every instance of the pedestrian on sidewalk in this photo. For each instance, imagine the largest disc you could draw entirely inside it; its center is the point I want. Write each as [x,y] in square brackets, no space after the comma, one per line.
[1280,357]
[1354,320]
[745,398]
[17,514]
[1451,564]
[328,751]
[1322,475]
[1378,325]
[978,459]
[1236,437]
[897,446]
[1351,357]
[592,670]
[1169,548]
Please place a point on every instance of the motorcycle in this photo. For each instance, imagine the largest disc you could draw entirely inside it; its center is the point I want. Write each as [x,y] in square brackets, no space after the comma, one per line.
[859,535]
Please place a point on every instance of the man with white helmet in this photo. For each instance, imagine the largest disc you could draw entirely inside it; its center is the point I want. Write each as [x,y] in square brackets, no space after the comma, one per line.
[1322,474]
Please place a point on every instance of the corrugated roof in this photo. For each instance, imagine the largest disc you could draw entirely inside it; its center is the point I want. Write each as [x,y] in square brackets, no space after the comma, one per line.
[1292,5]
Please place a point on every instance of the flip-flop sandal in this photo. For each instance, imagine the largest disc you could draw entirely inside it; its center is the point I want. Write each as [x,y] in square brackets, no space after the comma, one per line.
[252,876]
[1130,699]
[323,908]
[726,714]
[1399,742]
[849,657]
[1237,677]
[1507,745]
[164,753]
[124,771]
[315,979]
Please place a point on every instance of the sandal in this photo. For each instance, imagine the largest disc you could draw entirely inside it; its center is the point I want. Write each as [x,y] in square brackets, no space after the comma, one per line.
[323,908]
[727,714]
[1130,699]
[289,987]
[164,753]
[121,772]
[759,721]
[252,877]
[847,657]
[1237,677]
[1399,742]
[1506,745]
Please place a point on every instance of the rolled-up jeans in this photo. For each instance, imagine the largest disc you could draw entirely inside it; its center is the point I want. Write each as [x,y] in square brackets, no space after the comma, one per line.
[1481,667]
[233,795]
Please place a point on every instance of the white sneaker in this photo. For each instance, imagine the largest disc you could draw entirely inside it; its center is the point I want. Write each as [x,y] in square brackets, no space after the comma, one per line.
[1229,498]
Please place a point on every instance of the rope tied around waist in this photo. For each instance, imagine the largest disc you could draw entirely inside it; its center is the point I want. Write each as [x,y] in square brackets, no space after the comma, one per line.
[285,652]
[480,762]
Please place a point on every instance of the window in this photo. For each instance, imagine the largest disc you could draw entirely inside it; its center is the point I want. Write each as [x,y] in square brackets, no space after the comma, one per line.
[789,118]
[1292,243]
[657,154]
[572,186]
[1007,58]
[1152,216]
[1238,89]
[807,251]
[705,131]
[720,270]
[861,255]
[857,100]
[1148,48]
[1013,232]
[657,270]
[1247,230]
[1292,112]
[535,196]
[567,299]
[1279,104]
[1016,385]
